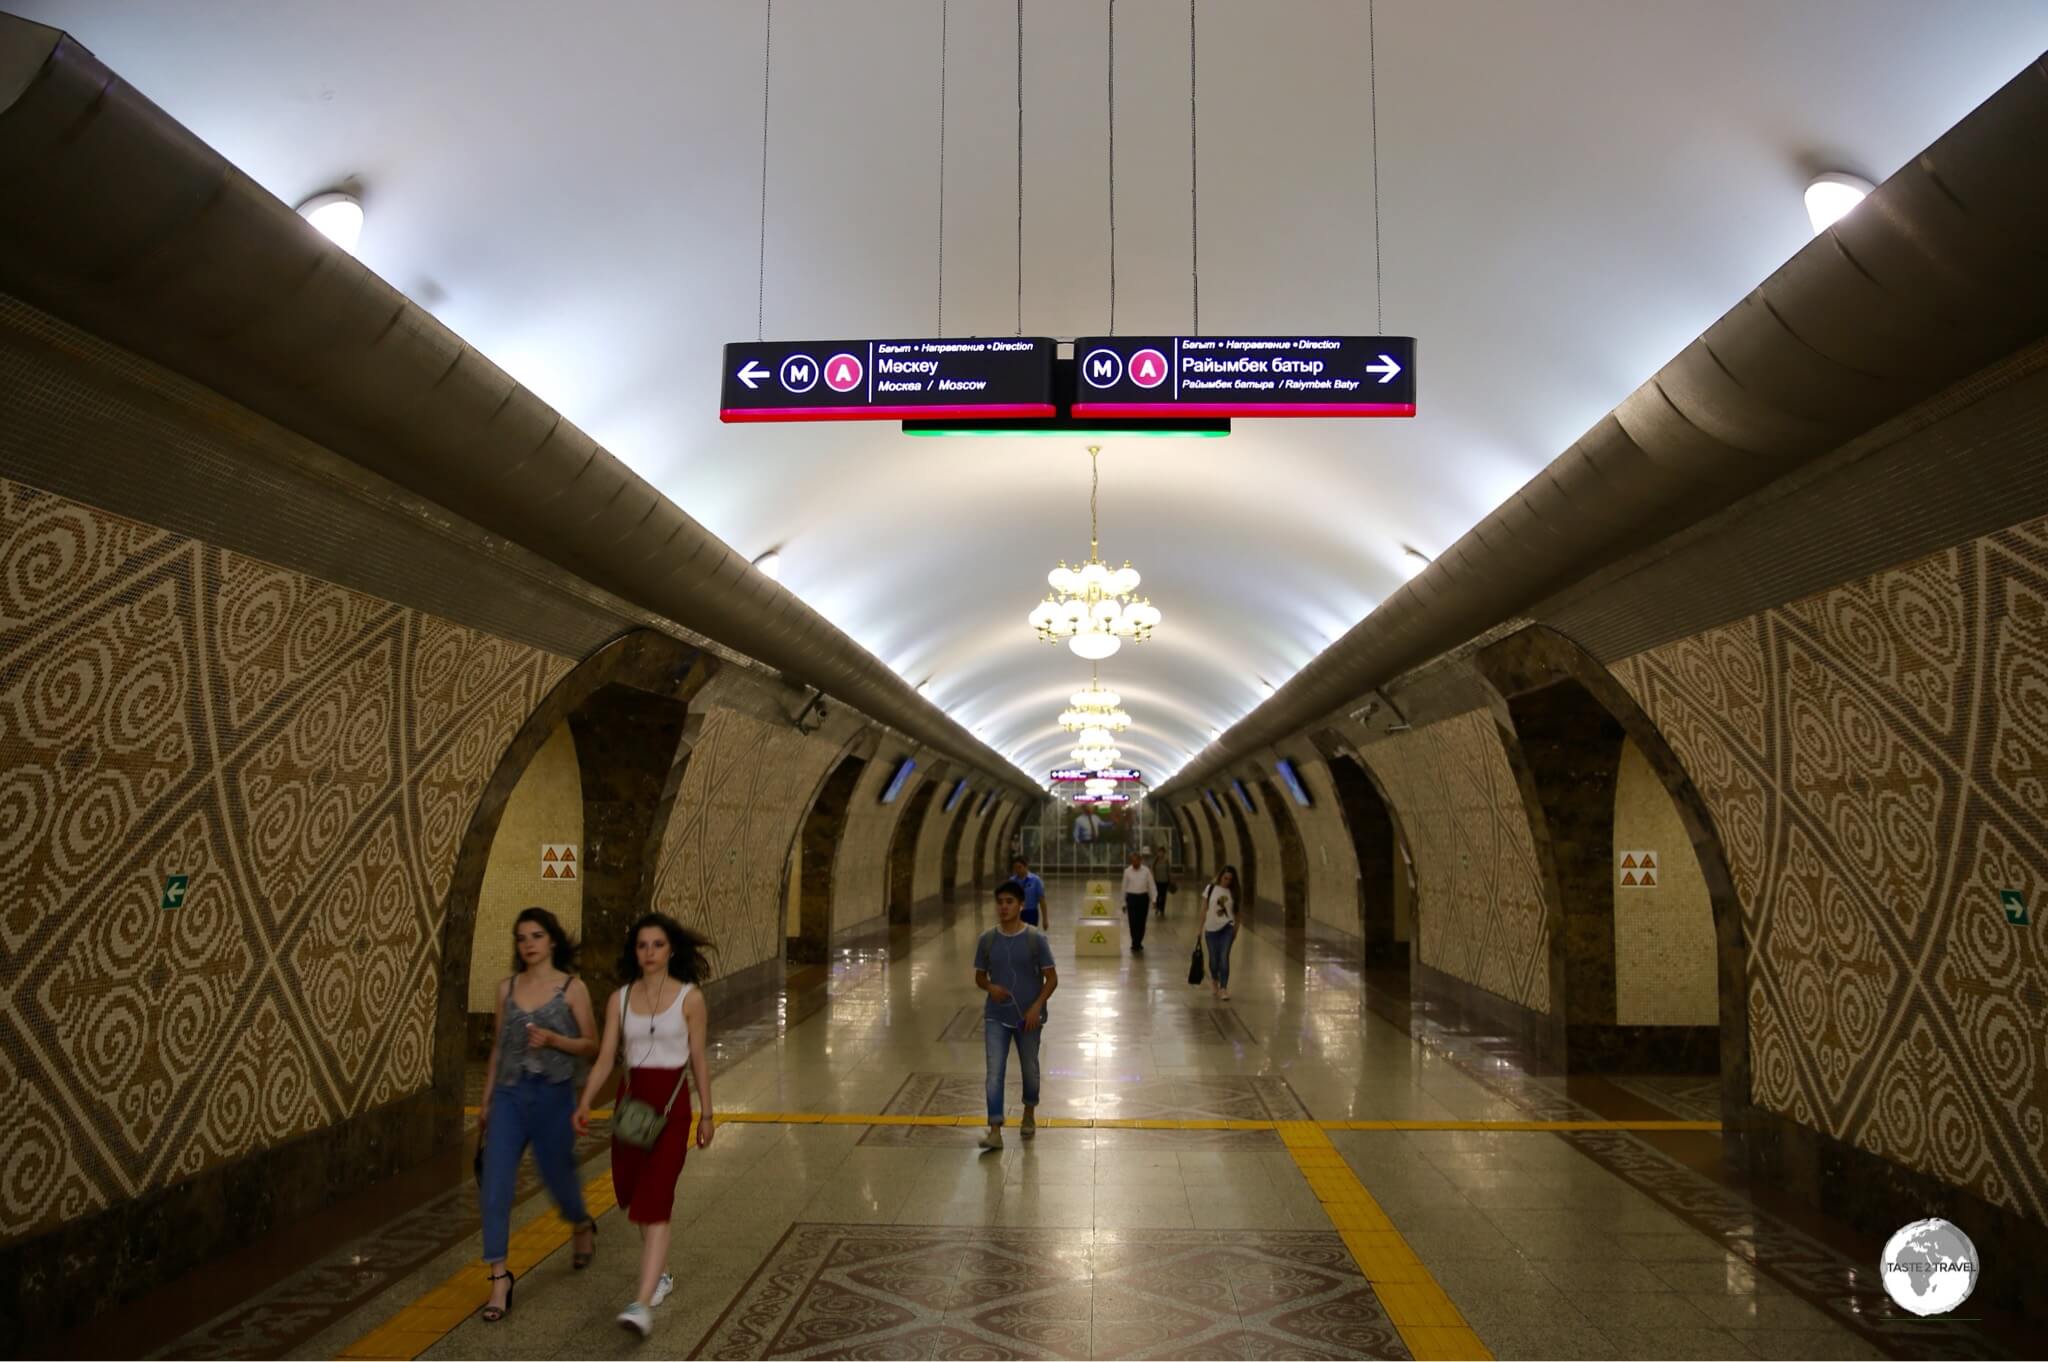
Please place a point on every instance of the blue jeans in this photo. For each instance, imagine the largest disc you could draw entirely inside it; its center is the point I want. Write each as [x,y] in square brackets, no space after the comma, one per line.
[1219,953]
[532,1111]
[996,1038]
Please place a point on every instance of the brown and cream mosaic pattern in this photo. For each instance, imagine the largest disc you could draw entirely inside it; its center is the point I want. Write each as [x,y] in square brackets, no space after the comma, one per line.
[309,757]
[1876,761]
[900,1291]
[735,816]
[1480,913]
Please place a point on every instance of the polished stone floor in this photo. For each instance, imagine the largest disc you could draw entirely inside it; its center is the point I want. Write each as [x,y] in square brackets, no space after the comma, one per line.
[903,1240]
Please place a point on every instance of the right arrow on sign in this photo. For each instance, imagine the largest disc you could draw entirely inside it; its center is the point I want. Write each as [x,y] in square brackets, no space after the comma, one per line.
[1387,369]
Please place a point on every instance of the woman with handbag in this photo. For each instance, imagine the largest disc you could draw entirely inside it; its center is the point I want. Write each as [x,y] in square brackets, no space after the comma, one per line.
[1219,928]
[543,1027]
[656,1026]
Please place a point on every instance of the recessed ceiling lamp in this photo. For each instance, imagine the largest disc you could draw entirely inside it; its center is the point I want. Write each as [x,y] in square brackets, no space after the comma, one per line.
[1092,607]
[770,565]
[1830,197]
[336,215]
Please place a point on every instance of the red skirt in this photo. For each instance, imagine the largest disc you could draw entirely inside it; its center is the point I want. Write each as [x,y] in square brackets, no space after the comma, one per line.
[644,1180]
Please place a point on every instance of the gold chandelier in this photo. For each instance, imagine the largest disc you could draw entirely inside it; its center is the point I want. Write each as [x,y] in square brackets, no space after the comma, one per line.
[1094,709]
[1093,606]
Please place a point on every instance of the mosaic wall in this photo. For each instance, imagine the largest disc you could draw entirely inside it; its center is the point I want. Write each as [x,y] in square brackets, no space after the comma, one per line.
[1666,956]
[230,802]
[1332,858]
[1876,761]
[546,807]
[860,875]
[1480,909]
[747,787]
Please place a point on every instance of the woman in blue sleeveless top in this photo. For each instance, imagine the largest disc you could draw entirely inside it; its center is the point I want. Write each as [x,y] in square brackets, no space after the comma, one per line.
[544,1026]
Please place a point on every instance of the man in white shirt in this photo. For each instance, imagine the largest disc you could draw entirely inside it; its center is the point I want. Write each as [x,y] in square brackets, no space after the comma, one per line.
[1139,887]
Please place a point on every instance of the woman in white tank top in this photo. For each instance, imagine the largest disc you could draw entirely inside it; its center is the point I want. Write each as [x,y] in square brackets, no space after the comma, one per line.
[656,1025]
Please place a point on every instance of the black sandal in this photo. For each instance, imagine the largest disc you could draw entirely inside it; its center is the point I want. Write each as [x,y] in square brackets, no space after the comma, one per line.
[493,1313]
[579,1261]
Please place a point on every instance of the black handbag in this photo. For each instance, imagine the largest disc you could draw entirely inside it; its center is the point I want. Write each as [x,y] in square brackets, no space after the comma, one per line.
[1195,967]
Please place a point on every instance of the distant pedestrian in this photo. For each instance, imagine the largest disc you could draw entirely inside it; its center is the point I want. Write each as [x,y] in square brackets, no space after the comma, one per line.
[1034,890]
[1012,964]
[543,1027]
[1162,872]
[658,1026]
[1219,928]
[1139,889]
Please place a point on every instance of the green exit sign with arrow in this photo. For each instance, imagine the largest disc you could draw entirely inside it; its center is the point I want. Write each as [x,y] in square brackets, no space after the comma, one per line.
[2015,907]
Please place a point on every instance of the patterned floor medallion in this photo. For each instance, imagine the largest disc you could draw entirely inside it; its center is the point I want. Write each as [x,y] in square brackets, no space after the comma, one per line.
[1226,1097]
[1686,1097]
[885,1291]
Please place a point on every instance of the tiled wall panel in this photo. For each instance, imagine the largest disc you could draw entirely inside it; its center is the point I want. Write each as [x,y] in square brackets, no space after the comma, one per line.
[735,817]
[1875,758]
[307,758]
[1480,910]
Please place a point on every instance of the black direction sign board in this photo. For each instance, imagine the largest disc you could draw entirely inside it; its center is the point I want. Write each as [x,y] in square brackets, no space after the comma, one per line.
[1273,375]
[887,380]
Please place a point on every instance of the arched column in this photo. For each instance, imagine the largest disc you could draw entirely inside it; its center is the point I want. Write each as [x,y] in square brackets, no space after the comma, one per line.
[903,844]
[1293,856]
[627,706]
[818,840]
[1375,841]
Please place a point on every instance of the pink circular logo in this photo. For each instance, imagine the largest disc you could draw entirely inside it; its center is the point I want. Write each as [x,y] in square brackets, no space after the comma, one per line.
[842,373]
[1148,368]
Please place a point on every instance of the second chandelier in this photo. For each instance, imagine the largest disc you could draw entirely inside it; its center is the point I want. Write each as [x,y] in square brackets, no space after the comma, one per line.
[1093,606]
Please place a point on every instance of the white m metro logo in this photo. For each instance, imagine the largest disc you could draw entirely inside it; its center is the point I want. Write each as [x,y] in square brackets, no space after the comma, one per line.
[1102,368]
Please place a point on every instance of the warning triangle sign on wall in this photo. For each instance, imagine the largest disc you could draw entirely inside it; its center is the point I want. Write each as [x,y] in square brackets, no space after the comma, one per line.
[1649,880]
[548,855]
[1628,860]
[569,854]
[548,873]
[1649,860]
[1628,877]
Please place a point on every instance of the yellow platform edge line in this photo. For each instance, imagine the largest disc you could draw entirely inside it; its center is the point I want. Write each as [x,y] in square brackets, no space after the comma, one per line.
[1427,1320]
[1306,1132]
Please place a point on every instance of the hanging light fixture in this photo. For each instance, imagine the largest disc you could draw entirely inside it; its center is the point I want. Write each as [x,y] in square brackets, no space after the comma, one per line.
[1096,758]
[1093,606]
[1094,707]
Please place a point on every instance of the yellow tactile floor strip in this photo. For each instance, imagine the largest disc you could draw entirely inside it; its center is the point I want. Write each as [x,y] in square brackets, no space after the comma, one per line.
[1428,1322]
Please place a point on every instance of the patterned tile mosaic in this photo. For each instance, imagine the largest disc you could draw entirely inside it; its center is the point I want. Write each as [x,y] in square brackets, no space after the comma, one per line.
[234,796]
[1480,910]
[1876,761]
[890,1291]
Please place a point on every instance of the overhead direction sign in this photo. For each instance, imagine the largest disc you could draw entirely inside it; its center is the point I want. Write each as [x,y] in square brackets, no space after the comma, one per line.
[1074,775]
[1275,375]
[888,380]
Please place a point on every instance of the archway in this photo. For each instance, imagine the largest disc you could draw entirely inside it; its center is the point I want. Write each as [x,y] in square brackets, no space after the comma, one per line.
[903,849]
[1222,856]
[1248,859]
[627,709]
[1381,872]
[981,849]
[949,851]
[1573,725]
[817,851]
[1293,857]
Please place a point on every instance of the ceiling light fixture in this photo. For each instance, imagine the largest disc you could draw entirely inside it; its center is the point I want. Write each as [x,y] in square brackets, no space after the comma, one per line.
[336,215]
[1093,607]
[770,565]
[1094,707]
[1830,197]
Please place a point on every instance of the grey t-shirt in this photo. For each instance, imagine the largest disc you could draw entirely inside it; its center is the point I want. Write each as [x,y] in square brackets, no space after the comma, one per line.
[1014,962]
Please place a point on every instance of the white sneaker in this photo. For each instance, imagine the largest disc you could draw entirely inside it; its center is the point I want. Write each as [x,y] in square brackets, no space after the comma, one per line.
[994,1138]
[637,1317]
[661,1290]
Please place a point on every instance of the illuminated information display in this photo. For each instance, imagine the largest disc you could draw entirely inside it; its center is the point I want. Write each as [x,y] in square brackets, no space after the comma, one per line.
[1317,376]
[887,380]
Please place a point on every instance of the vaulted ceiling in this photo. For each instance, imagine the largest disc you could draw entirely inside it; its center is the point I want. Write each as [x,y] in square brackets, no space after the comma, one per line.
[1568,193]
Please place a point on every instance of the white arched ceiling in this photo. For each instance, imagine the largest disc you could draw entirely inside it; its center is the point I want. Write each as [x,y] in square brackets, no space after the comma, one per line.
[1571,192]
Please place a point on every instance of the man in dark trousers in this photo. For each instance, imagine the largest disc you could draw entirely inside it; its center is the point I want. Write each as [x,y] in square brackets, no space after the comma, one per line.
[1139,887]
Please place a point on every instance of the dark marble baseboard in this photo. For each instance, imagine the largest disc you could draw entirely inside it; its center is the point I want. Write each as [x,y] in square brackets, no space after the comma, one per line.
[1876,1196]
[1474,1008]
[1643,1049]
[1387,954]
[56,1281]
[747,986]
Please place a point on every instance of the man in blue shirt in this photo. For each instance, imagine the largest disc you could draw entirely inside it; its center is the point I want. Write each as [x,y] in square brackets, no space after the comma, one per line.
[1033,887]
[1013,965]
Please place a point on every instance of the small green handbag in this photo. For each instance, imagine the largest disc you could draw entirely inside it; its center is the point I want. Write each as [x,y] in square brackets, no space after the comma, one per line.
[635,1122]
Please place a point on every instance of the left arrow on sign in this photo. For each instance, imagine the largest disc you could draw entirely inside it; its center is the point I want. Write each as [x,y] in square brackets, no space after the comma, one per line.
[1387,368]
[751,374]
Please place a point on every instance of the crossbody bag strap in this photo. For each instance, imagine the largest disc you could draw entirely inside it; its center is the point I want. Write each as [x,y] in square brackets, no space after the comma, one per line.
[625,1040]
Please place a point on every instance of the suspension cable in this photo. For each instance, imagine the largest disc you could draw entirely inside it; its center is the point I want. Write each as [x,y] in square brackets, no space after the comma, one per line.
[1372,85]
[1194,182]
[1112,167]
[761,261]
[940,327]
[1020,167]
